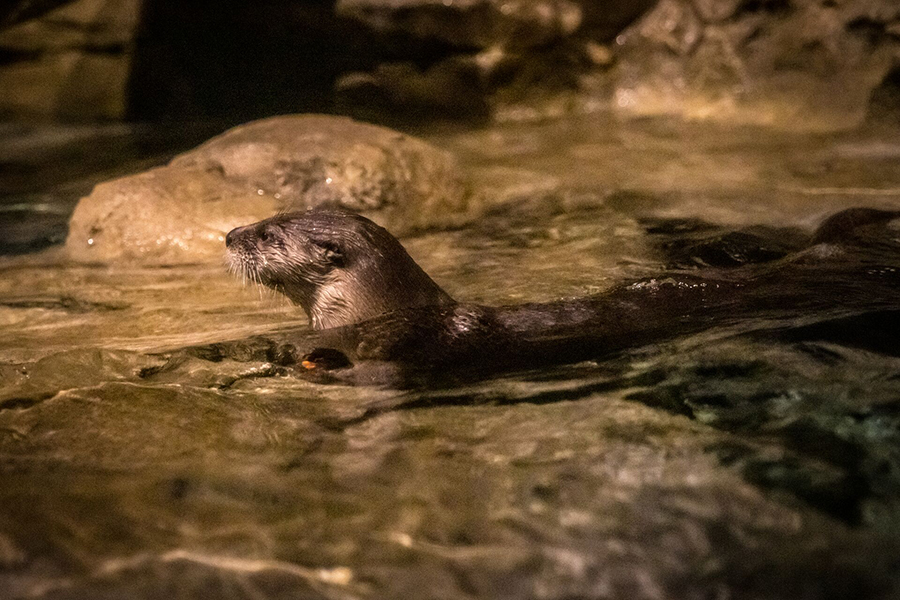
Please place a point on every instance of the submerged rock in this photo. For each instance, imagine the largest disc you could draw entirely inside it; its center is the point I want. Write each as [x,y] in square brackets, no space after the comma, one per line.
[181,212]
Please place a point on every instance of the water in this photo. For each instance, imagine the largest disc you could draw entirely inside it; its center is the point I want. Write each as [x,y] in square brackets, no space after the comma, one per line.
[757,459]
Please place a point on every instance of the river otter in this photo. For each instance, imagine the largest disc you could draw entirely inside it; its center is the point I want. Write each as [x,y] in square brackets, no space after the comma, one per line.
[339,267]
[370,302]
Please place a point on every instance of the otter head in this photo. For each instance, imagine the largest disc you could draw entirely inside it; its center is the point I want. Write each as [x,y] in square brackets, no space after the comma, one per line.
[340,267]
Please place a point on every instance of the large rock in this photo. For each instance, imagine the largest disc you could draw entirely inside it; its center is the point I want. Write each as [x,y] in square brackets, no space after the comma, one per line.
[180,213]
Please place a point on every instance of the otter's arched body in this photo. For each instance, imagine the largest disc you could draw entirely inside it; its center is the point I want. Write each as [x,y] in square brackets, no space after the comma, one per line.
[370,302]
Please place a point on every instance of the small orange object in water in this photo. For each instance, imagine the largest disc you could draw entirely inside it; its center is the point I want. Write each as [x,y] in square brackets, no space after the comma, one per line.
[308,364]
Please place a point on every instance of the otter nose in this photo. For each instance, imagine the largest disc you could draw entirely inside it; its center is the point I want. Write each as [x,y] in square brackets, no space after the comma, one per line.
[231,237]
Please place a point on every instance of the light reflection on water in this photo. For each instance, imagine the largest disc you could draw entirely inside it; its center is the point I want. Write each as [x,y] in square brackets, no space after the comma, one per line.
[712,464]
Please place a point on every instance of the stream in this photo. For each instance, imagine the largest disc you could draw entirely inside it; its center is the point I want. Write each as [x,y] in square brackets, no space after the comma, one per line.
[757,459]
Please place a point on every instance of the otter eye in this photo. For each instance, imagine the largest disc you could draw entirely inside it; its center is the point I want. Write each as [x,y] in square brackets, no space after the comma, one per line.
[262,233]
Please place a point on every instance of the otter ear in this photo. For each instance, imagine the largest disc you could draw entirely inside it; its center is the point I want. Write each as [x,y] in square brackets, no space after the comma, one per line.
[332,253]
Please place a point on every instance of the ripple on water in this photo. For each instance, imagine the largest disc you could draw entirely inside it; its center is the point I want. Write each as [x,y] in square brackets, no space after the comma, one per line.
[755,459]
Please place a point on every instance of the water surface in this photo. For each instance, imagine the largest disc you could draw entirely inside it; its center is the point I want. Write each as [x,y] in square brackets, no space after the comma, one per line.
[745,461]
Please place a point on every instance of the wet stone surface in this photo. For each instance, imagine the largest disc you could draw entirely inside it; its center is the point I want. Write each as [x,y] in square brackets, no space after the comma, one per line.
[180,213]
[757,459]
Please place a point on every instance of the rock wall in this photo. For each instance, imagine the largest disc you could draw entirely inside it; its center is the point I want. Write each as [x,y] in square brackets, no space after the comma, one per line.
[788,63]
[70,63]
[814,62]
[807,63]
[239,60]
[502,59]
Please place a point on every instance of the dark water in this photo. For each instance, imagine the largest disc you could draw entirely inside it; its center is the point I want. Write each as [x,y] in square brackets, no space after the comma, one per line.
[758,457]
[44,169]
